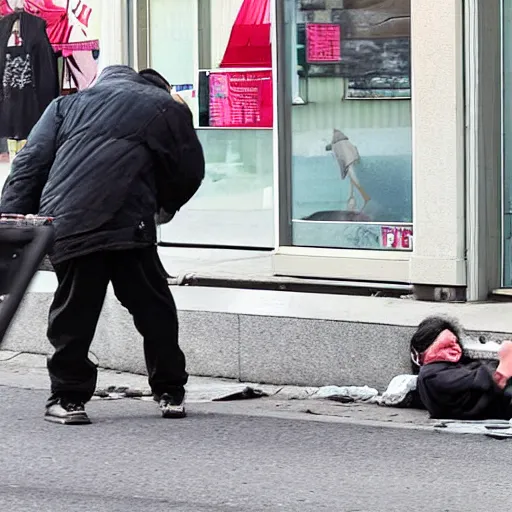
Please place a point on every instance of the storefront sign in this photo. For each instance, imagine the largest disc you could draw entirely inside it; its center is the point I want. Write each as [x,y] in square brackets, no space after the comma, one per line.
[241,100]
[396,237]
[323,41]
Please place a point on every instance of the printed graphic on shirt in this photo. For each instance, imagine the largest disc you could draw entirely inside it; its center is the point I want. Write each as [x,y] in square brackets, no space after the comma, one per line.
[17,72]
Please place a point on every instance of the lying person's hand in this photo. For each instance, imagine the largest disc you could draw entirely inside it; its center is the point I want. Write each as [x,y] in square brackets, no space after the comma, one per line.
[504,371]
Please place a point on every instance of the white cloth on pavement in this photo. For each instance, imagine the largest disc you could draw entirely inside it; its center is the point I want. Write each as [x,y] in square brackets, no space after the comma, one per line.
[398,390]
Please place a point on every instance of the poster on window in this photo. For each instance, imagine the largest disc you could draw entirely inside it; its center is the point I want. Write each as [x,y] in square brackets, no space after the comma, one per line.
[241,99]
[323,43]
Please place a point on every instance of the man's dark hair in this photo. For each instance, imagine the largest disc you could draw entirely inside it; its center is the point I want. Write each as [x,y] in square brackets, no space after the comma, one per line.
[427,332]
[155,78]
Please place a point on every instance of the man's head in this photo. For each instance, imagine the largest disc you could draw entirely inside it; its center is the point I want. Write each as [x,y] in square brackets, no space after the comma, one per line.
[156,79]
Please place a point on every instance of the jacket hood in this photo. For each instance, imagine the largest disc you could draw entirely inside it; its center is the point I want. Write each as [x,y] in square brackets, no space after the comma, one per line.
[446,349]
[117,73]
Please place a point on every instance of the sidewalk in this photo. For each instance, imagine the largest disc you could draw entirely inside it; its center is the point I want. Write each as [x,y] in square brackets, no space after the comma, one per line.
[239,321]
[28,371]
[276,337]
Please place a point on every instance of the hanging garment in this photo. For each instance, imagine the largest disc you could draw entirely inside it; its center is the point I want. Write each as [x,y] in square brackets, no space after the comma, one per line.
[68,28]
[56,17]
[250,42]
[67,23]
[29,78]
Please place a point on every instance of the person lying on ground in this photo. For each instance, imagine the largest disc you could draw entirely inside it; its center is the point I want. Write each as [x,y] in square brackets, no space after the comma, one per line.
[452,386]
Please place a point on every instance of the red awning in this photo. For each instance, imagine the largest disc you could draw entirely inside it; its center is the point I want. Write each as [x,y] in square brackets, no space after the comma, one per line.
[250,41]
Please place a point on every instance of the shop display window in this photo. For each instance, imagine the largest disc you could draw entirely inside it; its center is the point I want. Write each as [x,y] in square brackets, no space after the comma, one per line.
[349,75]
[218,56]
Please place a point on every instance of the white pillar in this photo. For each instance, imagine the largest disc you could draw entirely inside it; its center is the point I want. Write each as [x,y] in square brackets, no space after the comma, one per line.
[113,25]
[438,141]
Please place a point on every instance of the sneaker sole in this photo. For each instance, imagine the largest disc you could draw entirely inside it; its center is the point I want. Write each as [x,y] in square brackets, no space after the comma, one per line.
[78,420]
[168,415]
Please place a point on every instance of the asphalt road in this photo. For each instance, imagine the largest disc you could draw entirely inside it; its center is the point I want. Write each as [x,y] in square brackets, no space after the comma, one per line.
[132,460]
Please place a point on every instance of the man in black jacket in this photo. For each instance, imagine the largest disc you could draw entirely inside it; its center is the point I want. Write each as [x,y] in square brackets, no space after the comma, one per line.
[103,163]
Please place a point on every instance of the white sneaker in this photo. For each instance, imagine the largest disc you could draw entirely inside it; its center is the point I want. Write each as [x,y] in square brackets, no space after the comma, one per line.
[67,413]
[172,407]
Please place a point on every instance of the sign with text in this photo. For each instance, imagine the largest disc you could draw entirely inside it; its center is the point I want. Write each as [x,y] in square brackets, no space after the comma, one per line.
[396,237]
[323,42]
[241,99]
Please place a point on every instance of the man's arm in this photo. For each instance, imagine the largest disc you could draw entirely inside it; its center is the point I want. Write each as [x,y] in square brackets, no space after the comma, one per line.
[179,158]
[22,190]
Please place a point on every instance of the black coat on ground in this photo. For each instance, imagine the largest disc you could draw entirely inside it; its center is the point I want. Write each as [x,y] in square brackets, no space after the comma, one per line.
[462,391]
[103,162]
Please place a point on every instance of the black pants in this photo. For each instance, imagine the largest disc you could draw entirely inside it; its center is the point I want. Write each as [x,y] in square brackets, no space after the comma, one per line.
[140,284]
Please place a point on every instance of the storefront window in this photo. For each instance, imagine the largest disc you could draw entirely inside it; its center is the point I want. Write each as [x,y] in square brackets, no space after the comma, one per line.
[217,54]
[351,173]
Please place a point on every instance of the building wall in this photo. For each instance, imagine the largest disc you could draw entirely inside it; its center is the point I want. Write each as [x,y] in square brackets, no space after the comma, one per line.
[486,267]
[113,32]
[439,149]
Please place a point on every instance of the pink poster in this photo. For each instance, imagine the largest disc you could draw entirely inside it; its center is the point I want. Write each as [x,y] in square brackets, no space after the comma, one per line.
[323,41]
[396,237]
[241,99]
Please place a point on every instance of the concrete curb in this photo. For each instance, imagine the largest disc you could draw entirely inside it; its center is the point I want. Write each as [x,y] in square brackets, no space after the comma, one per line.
[277,338]
[28,371]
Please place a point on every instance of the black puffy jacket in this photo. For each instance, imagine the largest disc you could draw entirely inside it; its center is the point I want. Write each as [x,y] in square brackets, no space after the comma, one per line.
[104,161]
[463,391]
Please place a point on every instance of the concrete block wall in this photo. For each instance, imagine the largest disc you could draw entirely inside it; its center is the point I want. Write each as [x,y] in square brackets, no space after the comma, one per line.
[247,347]
[271,337]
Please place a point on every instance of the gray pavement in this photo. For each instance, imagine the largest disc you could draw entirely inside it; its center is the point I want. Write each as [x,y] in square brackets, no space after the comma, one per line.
[240,456]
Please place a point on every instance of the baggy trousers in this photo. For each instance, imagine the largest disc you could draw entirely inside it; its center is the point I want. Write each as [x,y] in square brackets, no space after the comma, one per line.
[140,284]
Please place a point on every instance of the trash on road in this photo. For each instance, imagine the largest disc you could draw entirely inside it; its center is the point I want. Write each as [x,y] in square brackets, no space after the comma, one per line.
[496,429]
[347,394]
[247,394]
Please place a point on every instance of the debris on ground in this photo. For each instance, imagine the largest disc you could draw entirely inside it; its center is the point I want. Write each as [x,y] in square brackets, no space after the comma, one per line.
[119,392]
[247,394]
[346,394]
[400,391]
[496,429]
